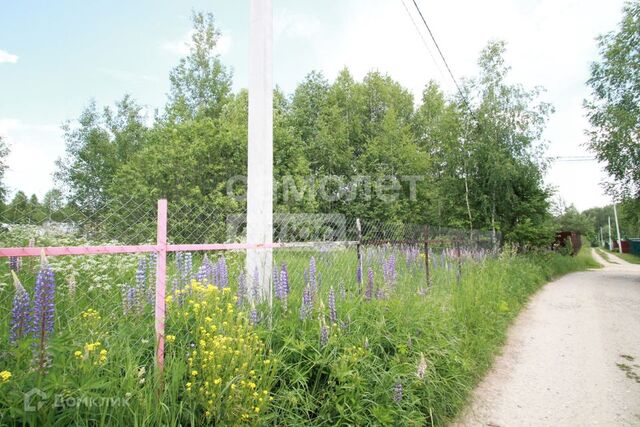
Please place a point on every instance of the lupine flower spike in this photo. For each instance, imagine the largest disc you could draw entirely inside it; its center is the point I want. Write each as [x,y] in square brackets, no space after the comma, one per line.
[324,332]
[242,289]
[222,275]
[283,287]
[397,392]
[20,313]
[43,309]
[312,276]
[307,303]
[333,316]
[368,294]
[422,367]
[141,281]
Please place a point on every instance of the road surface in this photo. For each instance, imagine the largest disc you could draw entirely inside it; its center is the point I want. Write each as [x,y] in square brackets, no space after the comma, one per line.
[572,358]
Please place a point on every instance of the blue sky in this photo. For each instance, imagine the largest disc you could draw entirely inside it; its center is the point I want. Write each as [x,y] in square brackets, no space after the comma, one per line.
[56,56]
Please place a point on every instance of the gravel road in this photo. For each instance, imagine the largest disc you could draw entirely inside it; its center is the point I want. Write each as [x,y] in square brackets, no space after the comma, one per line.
[572,357]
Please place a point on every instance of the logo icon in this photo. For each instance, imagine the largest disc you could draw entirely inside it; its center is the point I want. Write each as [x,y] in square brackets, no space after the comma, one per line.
[34,400]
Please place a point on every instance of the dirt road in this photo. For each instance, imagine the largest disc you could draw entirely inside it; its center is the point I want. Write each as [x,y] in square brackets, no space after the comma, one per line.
[572,357]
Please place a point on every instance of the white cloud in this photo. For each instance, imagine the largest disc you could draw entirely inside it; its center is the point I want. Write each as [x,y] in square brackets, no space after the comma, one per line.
[182,47]
[129,76]
[287,23]
[6,57]
[33,151]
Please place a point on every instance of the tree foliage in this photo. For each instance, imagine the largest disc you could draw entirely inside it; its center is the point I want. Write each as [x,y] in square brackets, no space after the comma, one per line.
[613,108]
[478,157]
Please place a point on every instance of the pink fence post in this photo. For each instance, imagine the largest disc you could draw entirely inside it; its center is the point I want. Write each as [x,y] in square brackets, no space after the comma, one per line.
[161,280]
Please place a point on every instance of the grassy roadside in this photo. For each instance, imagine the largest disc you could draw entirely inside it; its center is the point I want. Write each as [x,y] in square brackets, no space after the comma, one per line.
[603,254]
[434,349]
[395,357]
[633,259]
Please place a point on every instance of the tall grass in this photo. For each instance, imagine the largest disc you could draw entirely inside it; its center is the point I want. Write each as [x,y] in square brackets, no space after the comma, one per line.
[406,358]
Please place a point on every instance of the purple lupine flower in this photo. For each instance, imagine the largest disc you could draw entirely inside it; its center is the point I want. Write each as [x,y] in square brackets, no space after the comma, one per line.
[242,289]
[275,280]
[205,271]
[389,270]
[343,291]
[141,280]
[324,334]
[333,317]
[152,265]
[14,263]
[368,294]
[307,303]
[222,273]
[179,262]
[312,275]
[186,273]
[20,312]
[253,316]
[129,300]
[283,288]
[397,392]
[43,309]
[255,289]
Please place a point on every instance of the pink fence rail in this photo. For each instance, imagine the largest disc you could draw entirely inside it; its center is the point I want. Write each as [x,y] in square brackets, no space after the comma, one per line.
[161,248]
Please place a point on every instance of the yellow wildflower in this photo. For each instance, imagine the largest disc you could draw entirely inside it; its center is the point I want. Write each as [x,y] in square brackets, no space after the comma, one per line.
[89,347]
[194,373]
[5,376]
[170,338]
[217,381]
[78,354]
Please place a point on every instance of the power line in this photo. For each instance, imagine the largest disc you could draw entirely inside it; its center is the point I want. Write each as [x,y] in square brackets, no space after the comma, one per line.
[424,41]
[440,51]
[572,158]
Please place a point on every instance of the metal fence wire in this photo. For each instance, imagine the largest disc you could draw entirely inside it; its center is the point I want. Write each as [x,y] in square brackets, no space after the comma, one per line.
[108,298]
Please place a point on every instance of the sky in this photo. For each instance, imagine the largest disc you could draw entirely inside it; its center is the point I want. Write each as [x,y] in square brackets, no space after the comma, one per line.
[57,56]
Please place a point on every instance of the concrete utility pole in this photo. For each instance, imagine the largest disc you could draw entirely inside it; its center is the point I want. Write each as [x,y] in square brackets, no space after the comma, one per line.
[601,238]
[260,156]
[615,214]
[610,239]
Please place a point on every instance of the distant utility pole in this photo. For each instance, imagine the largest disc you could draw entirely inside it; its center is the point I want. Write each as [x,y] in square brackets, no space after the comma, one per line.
[260,154]
[610,240]
[615,214]
[601,238]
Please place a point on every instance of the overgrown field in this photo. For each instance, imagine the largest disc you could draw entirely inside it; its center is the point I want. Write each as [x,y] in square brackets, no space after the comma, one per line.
[390,351]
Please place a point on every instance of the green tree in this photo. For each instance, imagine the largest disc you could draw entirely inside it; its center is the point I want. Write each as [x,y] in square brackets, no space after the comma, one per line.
[504,148]
[96,148]
[4,153]
[613,108]
[200,83]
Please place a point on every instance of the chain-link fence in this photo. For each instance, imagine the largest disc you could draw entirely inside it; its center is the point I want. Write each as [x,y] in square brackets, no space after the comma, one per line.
[103,296]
